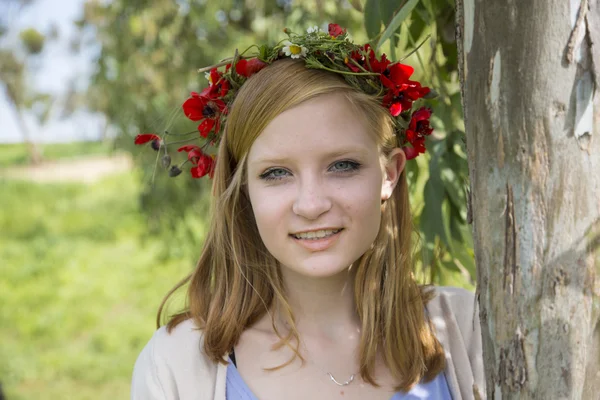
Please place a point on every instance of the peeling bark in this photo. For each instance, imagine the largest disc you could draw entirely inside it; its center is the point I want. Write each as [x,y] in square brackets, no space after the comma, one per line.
[529,73]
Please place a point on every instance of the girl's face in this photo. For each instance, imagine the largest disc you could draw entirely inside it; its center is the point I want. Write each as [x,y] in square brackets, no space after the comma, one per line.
[316,182]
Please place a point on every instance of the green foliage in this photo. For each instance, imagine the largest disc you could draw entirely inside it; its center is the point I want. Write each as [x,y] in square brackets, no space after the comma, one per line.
[80,283]
[372,18]
[14,66]
[12,71]
[32,40]
[394,25]
[440,203]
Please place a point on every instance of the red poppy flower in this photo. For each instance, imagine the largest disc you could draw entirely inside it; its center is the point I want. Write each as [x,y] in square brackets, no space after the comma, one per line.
[249,67]
[418,128]
[379,65]
[419,121]
[155,140]
[335,30]
[401,98]
[194,152]
[218,86]
[396,75]
[403,91]
[145,138]
[204,166]
[203,107]
[376,65]
[413,152]
[203,163]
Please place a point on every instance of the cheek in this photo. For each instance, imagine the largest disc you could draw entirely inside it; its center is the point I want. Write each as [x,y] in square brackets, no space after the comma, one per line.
[269,211]
[363,198]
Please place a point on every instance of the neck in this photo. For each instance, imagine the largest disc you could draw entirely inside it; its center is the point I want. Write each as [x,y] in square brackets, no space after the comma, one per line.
[322,307]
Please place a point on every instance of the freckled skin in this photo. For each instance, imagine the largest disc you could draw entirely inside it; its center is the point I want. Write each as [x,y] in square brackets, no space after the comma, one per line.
[313,192]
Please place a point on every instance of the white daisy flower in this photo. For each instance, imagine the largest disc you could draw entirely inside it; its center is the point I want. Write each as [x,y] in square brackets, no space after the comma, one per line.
[293,50]
[313,29]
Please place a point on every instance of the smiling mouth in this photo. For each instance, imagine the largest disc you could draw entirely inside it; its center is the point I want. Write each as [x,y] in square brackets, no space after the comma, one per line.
[316,235]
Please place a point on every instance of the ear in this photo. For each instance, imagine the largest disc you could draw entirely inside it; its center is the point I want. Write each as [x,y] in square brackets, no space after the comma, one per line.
[393,169]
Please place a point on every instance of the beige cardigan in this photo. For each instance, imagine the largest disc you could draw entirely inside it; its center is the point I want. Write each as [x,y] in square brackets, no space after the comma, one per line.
[173,366]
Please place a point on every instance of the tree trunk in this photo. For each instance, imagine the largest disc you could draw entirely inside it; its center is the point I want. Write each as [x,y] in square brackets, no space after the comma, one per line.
[35,156]
[532,113]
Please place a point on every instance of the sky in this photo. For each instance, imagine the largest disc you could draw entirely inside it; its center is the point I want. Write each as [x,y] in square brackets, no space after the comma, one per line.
[56,67]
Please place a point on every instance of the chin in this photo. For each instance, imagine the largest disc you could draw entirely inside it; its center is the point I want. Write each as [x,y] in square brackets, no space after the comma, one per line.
[325,267]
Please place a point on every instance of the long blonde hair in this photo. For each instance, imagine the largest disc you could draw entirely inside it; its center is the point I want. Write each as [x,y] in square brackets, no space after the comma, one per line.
[237,280]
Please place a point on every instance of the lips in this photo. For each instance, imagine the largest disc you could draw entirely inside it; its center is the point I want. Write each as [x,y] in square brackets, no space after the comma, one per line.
[316,234]
[318,244]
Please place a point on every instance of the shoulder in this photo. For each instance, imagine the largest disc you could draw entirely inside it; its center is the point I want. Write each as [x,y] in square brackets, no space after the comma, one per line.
[171,364]
[452,302]
[454,314]
[454,311]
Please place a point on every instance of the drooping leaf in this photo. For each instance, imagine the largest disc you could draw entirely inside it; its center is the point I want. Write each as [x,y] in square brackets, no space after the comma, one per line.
[372,18]
[432,219]
[387,10]
[417,25]
[400,16]
[452,186]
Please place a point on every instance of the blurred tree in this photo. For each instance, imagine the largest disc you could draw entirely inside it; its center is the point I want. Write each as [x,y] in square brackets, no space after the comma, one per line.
[12,75]
[33,40]
[13,71]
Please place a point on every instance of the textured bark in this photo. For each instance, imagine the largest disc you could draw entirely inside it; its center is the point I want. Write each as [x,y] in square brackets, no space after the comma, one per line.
[529,71]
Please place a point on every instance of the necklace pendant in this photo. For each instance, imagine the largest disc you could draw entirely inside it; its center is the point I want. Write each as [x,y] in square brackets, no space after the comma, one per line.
[349,381]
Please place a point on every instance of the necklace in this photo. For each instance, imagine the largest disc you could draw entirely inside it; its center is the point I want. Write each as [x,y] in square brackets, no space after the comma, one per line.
[349,381]
[346,383]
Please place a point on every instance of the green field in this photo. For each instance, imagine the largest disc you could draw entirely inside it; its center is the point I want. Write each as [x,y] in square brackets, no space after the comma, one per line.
[16,154]
[80,281]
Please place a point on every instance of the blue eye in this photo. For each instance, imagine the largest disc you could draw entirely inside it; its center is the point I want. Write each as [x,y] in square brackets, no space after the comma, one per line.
[339,167]
[274,174]
[345,166]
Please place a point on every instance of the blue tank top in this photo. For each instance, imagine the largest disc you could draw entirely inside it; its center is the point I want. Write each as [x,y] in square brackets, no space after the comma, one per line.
[437,388]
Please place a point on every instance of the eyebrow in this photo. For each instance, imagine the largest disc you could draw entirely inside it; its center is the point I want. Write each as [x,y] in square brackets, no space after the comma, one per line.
[334,154]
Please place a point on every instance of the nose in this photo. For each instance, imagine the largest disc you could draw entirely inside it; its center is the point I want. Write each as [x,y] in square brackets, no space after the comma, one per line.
[312,200]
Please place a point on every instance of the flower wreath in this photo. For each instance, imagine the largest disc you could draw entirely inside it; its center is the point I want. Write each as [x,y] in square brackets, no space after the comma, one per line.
[330,51]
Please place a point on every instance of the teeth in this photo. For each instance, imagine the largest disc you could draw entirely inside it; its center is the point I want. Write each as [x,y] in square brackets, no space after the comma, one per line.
[316,234]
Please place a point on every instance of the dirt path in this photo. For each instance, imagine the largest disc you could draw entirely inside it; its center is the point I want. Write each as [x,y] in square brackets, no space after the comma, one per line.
[89,169]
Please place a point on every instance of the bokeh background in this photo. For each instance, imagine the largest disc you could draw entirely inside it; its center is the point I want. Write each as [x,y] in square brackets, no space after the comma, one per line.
[93,232]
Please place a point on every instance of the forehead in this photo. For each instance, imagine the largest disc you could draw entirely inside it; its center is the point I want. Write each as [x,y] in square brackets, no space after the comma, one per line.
[327,124]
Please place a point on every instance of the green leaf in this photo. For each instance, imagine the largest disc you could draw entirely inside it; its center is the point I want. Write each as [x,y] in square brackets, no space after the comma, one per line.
[387,9]
[453,186]
[432,219]
[466,257]
[416,26]
[455,220]
[397,21]
[372,18]
[356,5]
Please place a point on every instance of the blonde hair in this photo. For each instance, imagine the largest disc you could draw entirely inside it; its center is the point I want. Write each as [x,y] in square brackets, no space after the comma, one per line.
[237,280]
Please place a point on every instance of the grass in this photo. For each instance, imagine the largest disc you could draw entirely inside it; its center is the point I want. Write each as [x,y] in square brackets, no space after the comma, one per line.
[17,154]
[80,283]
